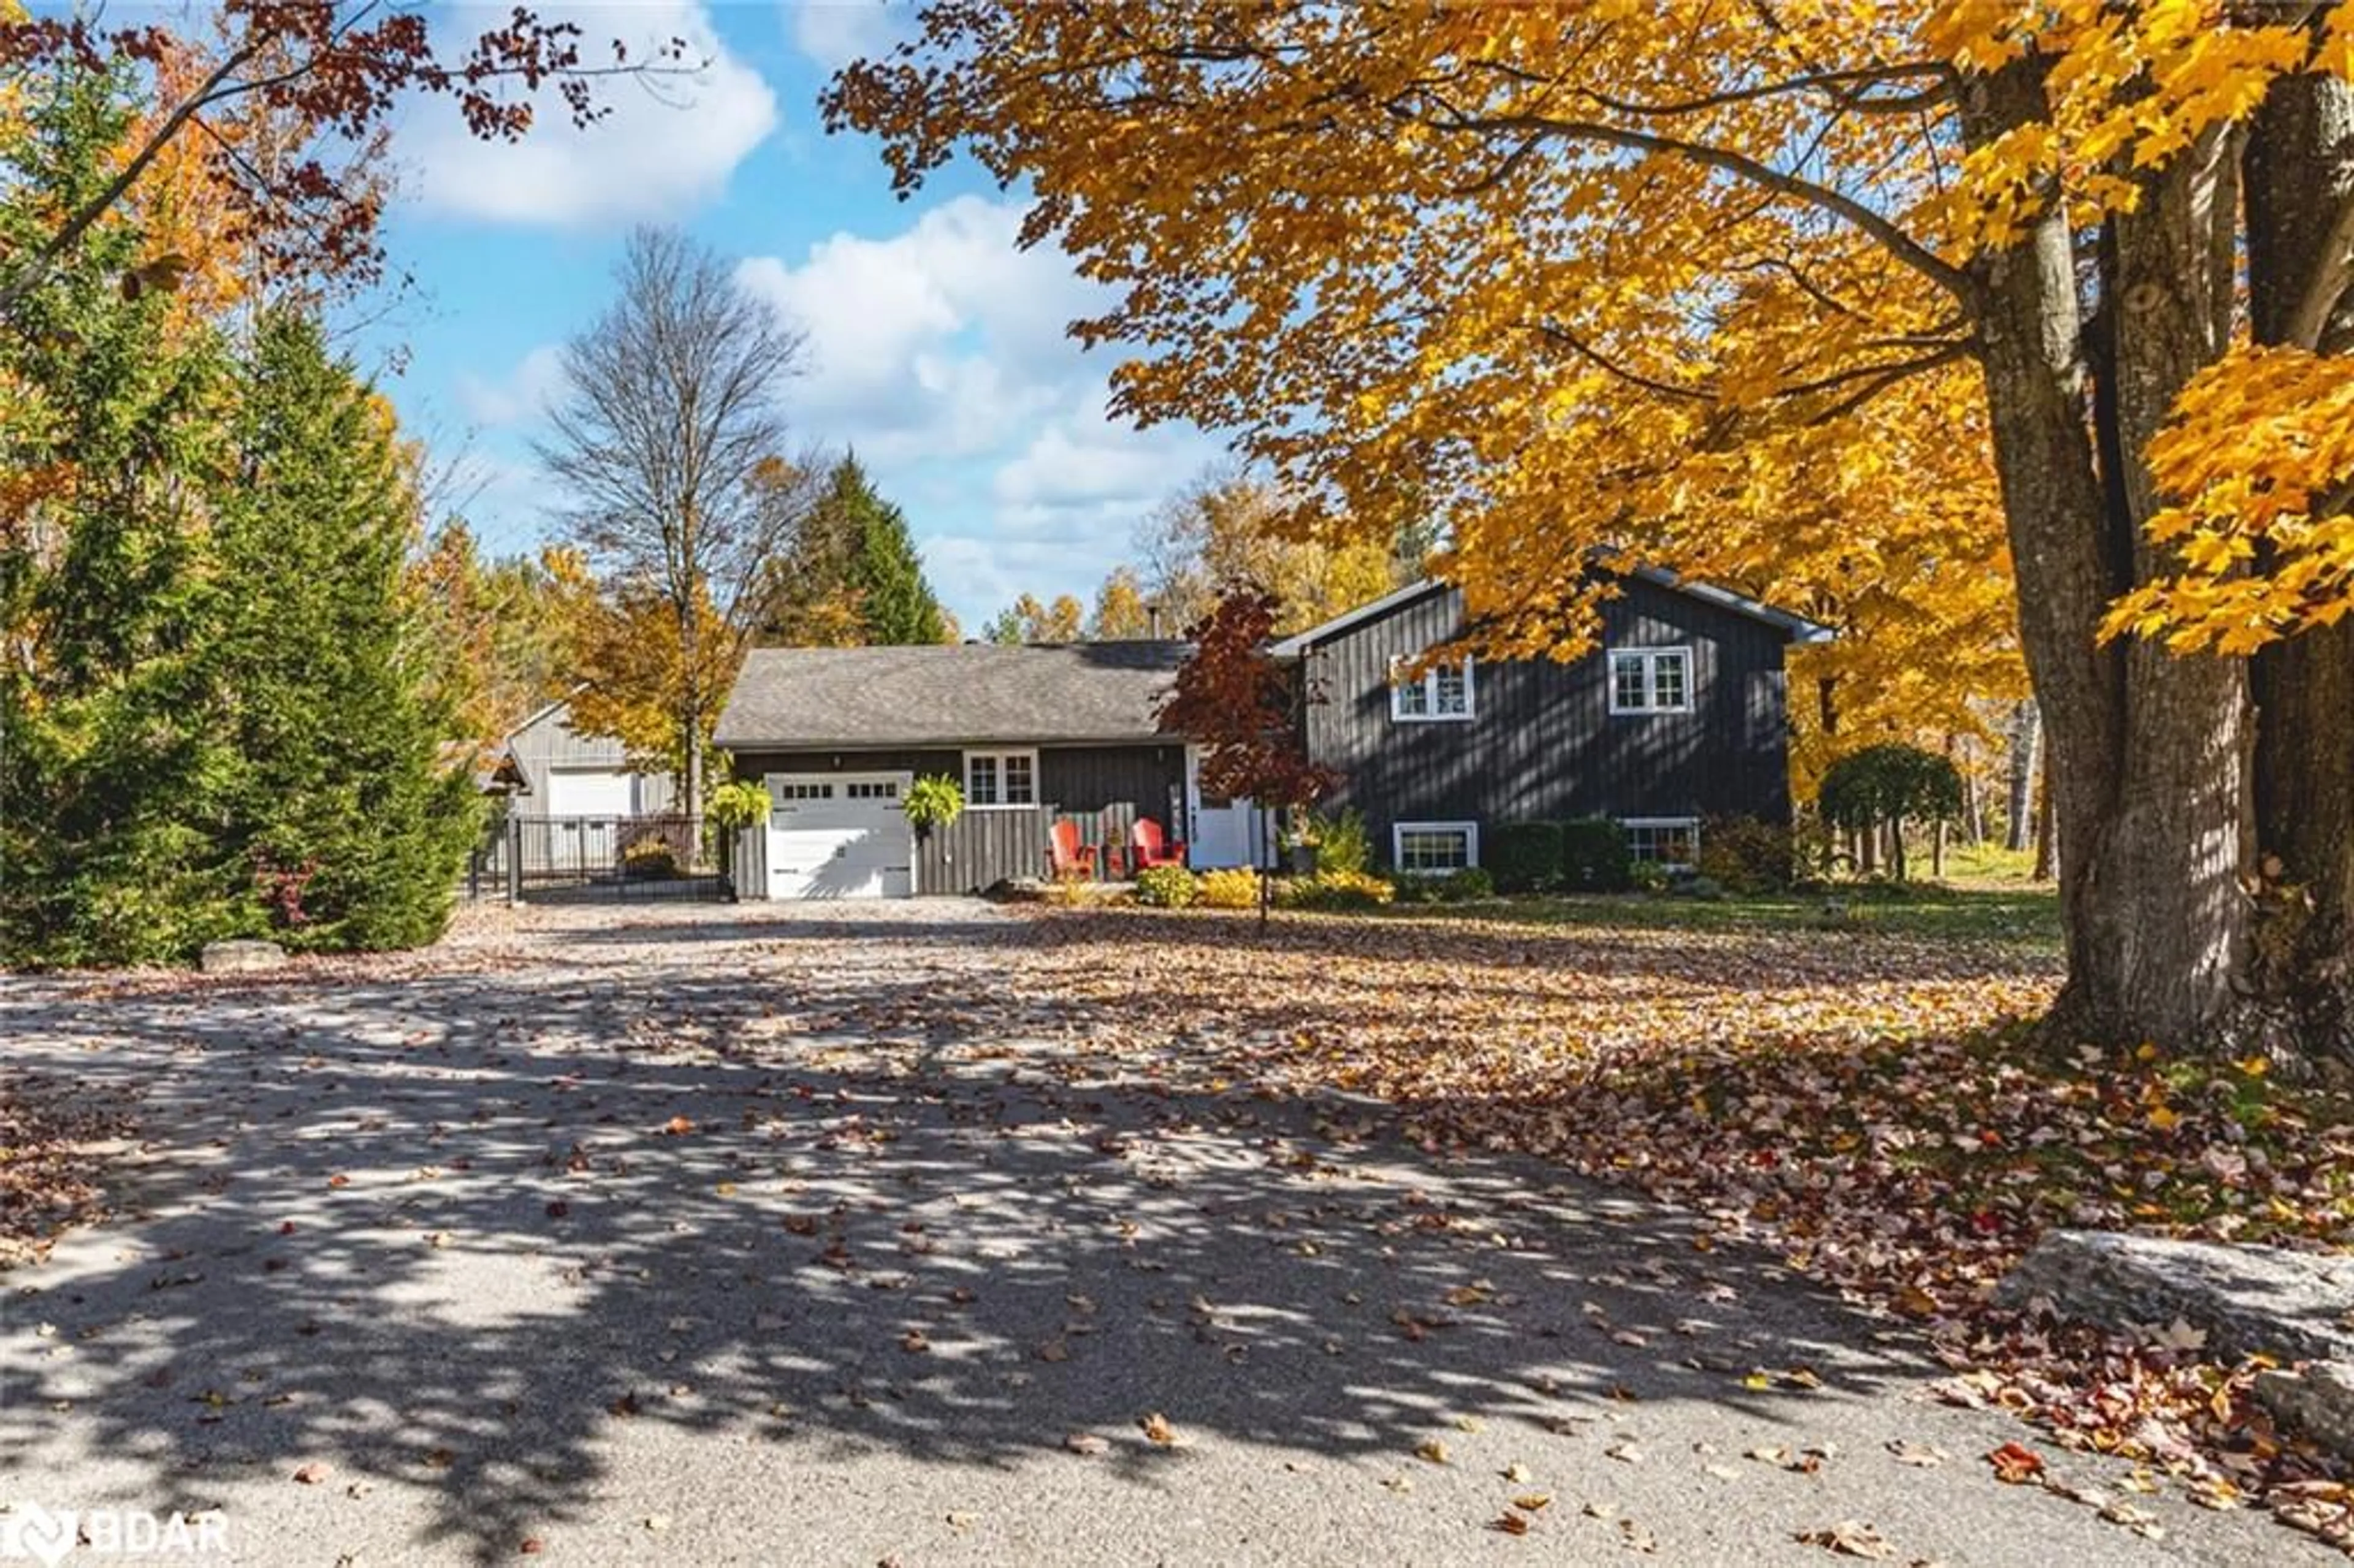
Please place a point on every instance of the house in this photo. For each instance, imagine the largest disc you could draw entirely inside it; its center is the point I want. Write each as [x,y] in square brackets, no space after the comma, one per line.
[548,769]
[1678,717]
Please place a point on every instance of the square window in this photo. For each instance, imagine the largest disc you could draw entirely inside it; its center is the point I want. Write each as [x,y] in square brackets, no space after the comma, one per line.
[1434,849]
[1441,692]
[1001,778]
[1650,681]
[1673,841]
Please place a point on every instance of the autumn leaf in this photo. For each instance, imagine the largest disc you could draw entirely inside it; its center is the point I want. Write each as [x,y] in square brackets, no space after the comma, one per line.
[2015,1464]
[1157,1429]
[1850,1537]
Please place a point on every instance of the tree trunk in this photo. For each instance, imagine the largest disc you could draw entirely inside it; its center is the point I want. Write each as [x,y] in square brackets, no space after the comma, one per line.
[2044,848]
[2026,747]
[2145,768]
[2300,176]
[1937,851]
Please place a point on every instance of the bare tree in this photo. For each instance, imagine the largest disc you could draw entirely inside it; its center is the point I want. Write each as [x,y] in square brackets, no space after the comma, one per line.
[669,442]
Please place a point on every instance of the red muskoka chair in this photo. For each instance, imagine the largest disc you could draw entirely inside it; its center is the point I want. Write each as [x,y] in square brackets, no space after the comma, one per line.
[1065,855]
[1148,848]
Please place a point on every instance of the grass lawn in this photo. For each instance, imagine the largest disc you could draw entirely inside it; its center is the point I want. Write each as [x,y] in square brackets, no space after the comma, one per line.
[2011,911]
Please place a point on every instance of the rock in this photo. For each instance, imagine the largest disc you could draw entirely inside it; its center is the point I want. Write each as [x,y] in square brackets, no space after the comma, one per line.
[2318,1399]
[2251,1301]
[240,956]
[2248,1301]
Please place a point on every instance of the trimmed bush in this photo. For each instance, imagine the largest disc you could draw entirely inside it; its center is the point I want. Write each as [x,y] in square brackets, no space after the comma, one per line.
[1747,856]
[1166,887]
[1462,886]
[1648,876]
[1524,857]
[1334,890]
[1235,889]
[1596,856]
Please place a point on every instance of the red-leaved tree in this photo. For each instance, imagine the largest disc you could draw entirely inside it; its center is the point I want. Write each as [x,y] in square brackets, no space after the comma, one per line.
[1237,700]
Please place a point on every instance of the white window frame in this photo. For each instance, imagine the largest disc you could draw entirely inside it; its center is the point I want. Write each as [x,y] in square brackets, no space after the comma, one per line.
[1427,684]
[1651,658]
[1398,830]
[1000,757]
[1689,824]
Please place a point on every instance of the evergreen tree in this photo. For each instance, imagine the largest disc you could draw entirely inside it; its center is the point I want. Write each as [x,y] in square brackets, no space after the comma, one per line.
[353,827]
[853,576]
[894,599]
[110,763]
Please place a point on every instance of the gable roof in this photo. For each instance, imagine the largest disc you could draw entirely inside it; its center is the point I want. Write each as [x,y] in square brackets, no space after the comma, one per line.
[952,694]
[1798,628]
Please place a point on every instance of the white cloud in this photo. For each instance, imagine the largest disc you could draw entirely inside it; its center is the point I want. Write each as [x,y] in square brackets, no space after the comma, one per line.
[833,33]
[946,338]
[667,145]
[521,394]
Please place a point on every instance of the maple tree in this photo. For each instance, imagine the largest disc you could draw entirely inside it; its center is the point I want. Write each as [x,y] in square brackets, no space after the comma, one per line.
[328,71]
[1239,705]
[1581,275]
[1026,619]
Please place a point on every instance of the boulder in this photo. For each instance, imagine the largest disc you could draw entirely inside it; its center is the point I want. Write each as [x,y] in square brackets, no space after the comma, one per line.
[2295,1307]
[239,957]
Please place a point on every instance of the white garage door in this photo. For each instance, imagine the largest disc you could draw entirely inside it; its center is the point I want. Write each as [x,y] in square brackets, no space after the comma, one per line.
[591,792]
[839,835]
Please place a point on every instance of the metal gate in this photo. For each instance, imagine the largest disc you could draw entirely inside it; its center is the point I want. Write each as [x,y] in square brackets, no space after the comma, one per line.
[657,855]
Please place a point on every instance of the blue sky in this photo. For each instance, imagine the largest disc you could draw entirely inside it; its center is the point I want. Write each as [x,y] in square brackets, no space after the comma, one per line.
[936,347]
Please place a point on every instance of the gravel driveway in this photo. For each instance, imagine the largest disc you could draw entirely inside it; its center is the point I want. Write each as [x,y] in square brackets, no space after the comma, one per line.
[701,1234]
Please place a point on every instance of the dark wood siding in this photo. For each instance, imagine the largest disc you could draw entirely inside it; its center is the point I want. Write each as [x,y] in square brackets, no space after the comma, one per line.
[1105,788]
[1543,743]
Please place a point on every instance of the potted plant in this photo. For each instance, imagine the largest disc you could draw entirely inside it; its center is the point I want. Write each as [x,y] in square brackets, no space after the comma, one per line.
[934,802]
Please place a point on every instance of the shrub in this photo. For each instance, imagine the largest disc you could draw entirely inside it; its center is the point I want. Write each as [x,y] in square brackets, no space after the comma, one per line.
[1707,889]
[935,800]
[1342,848]
[1748,855]
[1884,786]
[650,857]
[737,804]
[1462,886]
[1167,887]
[1648,876]
[1235,889]
[1525,857]
[1595,856]
[1336,890]
[1416,889]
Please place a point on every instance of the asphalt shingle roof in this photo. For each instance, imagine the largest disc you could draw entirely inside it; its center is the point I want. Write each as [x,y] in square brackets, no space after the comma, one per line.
[945,695]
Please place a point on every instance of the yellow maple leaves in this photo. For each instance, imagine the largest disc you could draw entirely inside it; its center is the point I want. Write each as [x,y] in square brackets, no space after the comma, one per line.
[2260,458]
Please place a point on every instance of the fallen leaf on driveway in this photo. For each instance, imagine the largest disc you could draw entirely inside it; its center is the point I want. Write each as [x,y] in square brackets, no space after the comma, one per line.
[1530,1503]
[1158,1430]
[311,1474]
[1054,1350]
[1432,1449]
[678,1127]
[1510,1523]
[2015,1464]
[1636,1538]
[1918,1454]
[1850,1537]
[1085,1443]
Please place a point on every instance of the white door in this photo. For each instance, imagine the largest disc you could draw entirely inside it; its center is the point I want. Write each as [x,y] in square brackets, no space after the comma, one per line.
[591,792]
[839,835]
[1218,831]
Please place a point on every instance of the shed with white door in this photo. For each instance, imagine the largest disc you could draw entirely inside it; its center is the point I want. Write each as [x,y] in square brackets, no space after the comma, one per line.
[839,835]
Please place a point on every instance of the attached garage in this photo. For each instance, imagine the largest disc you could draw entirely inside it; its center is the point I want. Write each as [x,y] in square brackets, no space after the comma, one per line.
[839,835]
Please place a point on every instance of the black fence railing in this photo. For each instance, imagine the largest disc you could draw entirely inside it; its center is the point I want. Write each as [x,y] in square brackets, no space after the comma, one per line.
[646,856]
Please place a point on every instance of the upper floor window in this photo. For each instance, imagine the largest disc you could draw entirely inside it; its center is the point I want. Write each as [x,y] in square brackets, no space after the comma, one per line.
[1441,692]
[1000,777]
[1650,681]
